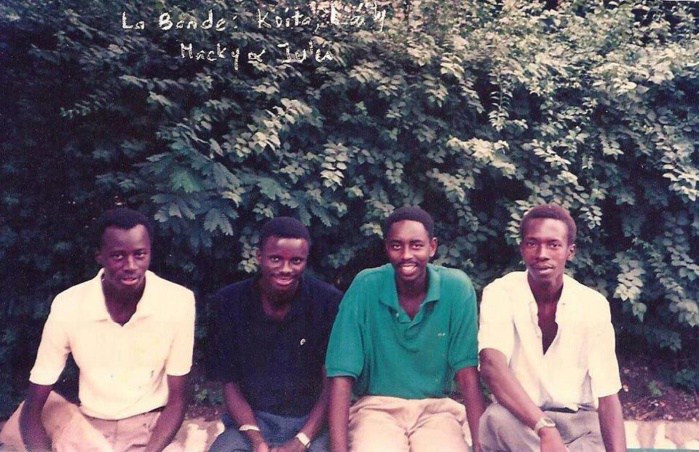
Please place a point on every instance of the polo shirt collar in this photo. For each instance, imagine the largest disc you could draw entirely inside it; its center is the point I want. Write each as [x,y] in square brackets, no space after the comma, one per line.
[95,306]
[389,291]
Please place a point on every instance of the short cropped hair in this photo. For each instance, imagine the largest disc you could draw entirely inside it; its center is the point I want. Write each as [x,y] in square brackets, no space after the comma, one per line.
[553,211]
[284,227]
[122,218]
[412,213]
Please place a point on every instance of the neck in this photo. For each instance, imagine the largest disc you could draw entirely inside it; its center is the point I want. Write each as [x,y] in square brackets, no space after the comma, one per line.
[546,292]
[121,307]
[412,289]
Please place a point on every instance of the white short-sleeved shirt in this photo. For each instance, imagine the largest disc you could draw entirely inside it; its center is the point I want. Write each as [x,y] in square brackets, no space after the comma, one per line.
[580,365]
[123,369]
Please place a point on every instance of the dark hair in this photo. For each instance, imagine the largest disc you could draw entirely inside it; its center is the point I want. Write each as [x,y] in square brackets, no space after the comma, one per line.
[284,227]
[412,213]
[122,218]
[553,211]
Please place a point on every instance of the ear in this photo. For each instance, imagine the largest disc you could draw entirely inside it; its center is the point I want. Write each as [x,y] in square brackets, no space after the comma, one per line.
[433,247]
[98,257]
[258,255]
[571,252]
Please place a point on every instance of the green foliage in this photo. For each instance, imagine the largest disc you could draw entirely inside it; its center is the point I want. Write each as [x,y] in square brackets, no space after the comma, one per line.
[687,379]
[475,110]
[654,388]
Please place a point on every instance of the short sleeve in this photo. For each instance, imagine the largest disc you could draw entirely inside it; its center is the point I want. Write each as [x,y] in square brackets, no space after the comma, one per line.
[604,368]
[345,355]
[53,348]
[179,361]
[463,346]
[496,329]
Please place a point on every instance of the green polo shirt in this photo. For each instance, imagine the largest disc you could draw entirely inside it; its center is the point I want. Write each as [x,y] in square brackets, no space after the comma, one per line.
[374,341]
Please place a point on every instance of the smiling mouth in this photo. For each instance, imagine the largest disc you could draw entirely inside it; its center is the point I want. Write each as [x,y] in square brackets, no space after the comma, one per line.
[407,268]
[130,280]
[284,280]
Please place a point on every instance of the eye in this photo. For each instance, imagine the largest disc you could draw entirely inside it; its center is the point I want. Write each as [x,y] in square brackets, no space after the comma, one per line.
[141,254]
[554,245]
[297,261]
[274,259]
[417,246]
[116,256]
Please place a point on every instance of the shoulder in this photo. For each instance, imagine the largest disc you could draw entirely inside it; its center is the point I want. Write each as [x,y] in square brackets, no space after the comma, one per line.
[376,275]
[172,290]
[451,277]
[70,300]
[588,300]
[235,290]
[510,281]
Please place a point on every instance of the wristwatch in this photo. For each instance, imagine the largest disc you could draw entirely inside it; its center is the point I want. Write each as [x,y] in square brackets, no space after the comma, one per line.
[544,422]
[303,439]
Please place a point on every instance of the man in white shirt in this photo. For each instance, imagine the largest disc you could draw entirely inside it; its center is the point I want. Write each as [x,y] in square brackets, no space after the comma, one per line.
[547,350]
[131,334]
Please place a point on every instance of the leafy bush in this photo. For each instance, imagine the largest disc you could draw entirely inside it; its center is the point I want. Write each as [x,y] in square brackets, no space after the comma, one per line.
[475,110]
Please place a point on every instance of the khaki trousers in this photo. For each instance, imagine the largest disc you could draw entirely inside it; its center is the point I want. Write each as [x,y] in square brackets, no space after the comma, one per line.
[500,431]
[380,424]
[71,431]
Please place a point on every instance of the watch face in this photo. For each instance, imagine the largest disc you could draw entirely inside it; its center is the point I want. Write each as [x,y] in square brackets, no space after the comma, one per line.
[544,422]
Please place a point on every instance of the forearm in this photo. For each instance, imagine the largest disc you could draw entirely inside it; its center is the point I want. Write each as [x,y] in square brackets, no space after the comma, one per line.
[316,417]
[508,391]
[166,427]
[172,415]
[31,428]
[241,412]
[469,384]
[611,423]
[338,412]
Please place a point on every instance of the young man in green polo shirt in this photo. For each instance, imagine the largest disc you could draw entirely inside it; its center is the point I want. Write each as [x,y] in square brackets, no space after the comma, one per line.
[404,333]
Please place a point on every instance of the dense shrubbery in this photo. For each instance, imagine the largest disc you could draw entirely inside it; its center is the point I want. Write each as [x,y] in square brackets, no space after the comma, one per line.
[476,111]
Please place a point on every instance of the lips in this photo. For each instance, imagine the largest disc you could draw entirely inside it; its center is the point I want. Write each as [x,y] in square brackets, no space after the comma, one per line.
[283,281]
[130,280]
[407,269]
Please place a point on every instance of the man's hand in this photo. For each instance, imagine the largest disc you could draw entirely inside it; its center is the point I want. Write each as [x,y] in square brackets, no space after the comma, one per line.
[260,447]
[293,445]
[551,440]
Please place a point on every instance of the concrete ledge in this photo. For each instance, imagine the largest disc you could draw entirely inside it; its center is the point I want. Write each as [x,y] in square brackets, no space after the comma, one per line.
[196,435]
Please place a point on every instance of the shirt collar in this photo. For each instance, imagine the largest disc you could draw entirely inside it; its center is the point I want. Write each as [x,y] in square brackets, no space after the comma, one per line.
[388,293]
[563,301]
[95,307]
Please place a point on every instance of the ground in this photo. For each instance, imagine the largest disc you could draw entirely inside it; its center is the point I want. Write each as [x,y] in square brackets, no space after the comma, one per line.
[646,393]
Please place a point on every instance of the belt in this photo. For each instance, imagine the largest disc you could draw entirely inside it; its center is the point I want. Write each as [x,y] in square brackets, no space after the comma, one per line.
[560,410]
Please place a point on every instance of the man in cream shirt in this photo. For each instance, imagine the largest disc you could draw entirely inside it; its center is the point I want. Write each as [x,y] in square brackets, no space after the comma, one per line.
[547,350]
[131,334]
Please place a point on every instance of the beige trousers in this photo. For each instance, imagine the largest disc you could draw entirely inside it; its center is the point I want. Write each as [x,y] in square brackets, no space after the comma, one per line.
[380,424]
[500,431]
[71,431]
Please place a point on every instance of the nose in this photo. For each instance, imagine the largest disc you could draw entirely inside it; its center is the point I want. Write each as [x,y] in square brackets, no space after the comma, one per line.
[130,263]
[286,267]
[541,252]
[406,254]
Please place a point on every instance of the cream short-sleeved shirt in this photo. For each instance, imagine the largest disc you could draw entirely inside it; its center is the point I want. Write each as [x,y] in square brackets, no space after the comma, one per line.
[123,369]
[580,365]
